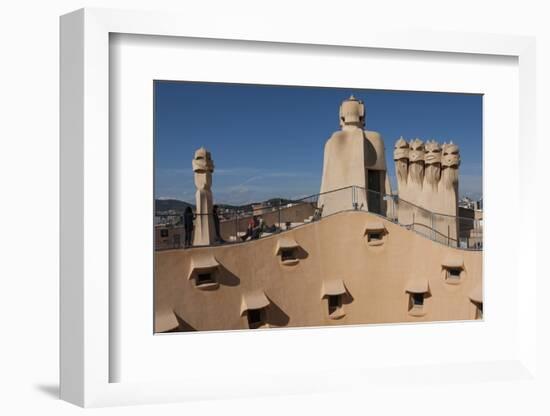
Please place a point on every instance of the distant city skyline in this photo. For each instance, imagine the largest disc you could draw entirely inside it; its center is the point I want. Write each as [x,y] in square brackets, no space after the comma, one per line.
[268,141]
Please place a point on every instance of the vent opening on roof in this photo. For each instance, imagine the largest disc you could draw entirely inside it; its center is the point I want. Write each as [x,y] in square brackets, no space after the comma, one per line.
[204,271]
[418,290]
[334,292]
[256,318]
[288,254]
[289,250]
[374,236]
[334,303]
[254,305]
[375,233]
[453,269]
[203,278]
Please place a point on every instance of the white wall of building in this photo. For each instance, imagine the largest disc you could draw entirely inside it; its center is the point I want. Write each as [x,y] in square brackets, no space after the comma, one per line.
[29,170]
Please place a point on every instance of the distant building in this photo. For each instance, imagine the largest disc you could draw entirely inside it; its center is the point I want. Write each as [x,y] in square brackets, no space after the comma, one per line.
[169,237]
[479,204]
[167,218]
[466,202]
[259,209]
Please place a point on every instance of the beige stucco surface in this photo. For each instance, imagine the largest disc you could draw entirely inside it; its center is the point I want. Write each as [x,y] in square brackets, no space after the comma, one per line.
[376,276]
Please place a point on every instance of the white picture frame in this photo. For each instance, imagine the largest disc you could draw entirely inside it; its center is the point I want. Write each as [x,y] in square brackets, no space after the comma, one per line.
[86,263]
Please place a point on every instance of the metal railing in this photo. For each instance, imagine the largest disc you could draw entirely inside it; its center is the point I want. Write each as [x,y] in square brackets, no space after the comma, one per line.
[455,231]
[257,221]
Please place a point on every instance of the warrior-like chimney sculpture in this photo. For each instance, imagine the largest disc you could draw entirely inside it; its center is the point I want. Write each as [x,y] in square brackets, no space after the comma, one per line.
[354,159]
[203,166]
[427,182]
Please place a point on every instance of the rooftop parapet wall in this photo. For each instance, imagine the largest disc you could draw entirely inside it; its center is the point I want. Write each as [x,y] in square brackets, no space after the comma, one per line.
[274,218]
[375,277]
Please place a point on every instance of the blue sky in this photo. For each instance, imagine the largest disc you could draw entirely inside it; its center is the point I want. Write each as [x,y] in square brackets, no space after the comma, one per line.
[267,141]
